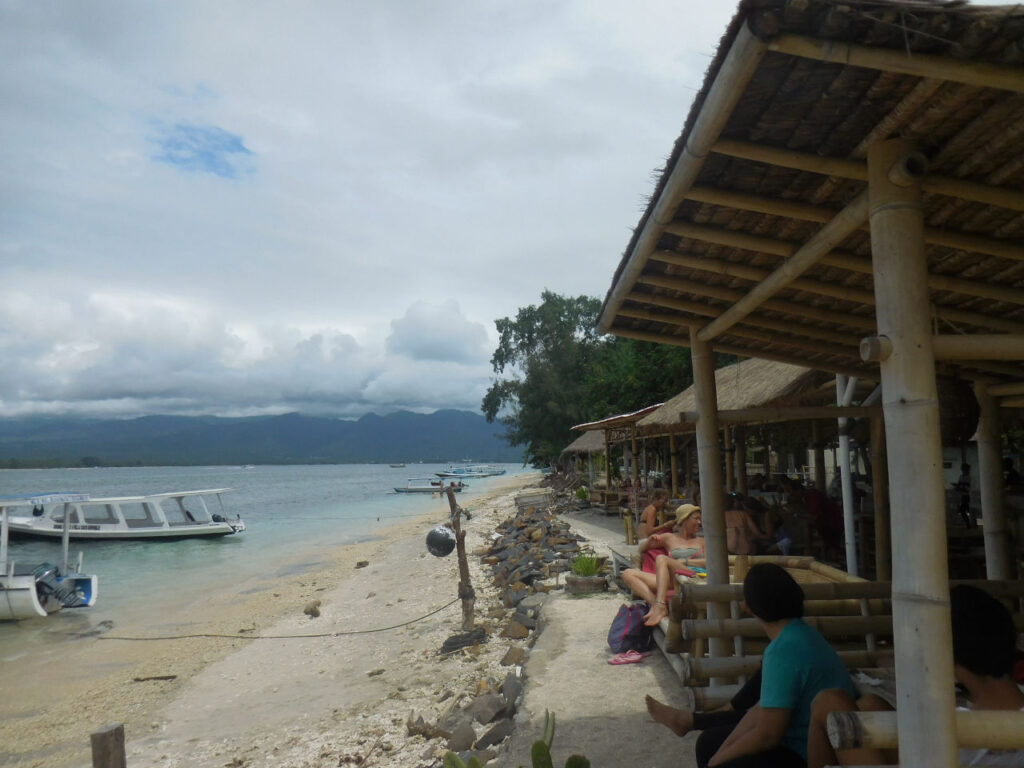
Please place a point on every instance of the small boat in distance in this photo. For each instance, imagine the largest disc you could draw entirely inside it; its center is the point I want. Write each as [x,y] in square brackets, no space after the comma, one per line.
[429,485]
[159,516]
[29,590]
[396,466]
[472,470]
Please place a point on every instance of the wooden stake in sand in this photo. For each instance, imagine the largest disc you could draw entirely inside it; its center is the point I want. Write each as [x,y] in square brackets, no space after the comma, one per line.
[466,593]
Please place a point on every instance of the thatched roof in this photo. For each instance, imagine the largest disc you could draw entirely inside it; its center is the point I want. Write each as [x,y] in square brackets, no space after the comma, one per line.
[620,420]
[747,384]
[589,442]
[774,149]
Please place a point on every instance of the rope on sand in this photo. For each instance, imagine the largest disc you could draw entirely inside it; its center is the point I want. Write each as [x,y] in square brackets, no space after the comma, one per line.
[285,637]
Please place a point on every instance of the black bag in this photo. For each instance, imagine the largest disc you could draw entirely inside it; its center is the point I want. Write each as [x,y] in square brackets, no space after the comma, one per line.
[628,631]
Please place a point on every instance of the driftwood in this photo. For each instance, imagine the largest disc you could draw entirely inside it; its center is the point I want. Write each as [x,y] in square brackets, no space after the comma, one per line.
[415,726]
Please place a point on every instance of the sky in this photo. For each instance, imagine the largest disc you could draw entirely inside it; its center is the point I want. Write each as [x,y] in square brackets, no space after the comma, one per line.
[242,207]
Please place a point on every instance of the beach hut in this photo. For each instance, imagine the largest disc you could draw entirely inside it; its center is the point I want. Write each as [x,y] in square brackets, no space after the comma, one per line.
[847,195]
[586,445]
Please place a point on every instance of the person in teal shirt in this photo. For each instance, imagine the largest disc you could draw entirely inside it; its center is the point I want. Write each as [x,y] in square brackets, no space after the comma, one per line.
[797,664]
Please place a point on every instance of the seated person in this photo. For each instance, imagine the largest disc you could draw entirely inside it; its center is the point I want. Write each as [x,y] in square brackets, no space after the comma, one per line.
[649,517]
[741,532]
[644,583]
[984,650]
[797,664]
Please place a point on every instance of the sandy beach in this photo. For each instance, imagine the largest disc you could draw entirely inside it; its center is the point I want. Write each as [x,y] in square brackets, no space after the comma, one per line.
[339,689]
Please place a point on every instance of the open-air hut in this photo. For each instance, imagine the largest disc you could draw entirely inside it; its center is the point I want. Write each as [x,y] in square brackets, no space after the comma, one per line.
[847,195]
[586,445]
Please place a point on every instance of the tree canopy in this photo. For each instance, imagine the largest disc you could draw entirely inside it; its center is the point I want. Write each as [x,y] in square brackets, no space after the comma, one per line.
[554,371]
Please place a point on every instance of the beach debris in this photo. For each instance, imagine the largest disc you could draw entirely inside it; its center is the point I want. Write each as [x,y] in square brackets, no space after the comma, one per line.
[362,563]
[153,677]
[375,672]
[514,655]
[312,608]
[515,631]
[464,640]
[488,708]
[497,734]
[463,737]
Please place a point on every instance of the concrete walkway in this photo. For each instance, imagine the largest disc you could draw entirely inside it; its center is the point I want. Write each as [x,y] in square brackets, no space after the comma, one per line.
[599,708]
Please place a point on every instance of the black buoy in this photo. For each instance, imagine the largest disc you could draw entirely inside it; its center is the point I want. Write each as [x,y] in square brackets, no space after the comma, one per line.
[441,541]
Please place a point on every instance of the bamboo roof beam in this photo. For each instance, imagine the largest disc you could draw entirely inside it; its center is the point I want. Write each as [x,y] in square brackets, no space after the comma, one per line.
[731,349]
[1014,388]
[978,347]
[818,213]
[743,272]
[852,263]
[706,310]
[669,318]
[825,239]
[976,73]
[792,413]
[949,186]
[1012,402]
[737,69]
[775,305]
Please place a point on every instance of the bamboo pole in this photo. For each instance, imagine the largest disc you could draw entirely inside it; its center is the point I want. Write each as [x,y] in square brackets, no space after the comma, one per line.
[920,600]
[979,347]
[828,626]
[998,557]
[698,669]
[740,459]
[976,73]
[949,186]
[709,469]
[737,68]
[1001,390]
[974,729]
[819,456]
[825,239]
[727,450]
[813,591]
[880,496]
[845,388]
[674,452]
[835,574]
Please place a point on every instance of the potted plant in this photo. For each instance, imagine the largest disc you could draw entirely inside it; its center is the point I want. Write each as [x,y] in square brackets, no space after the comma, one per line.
[582,497]
[586,574]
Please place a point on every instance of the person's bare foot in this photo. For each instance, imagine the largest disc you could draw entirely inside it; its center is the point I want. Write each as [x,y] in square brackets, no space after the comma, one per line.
[679,721]
[654,616]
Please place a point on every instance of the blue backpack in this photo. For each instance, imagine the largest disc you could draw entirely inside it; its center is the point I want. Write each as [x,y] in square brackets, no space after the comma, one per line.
[628,631]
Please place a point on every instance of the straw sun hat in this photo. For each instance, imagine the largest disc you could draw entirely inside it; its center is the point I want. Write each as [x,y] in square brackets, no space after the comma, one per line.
[683,511]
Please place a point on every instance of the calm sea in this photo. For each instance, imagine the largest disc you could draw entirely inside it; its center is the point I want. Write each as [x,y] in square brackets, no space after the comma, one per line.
[292,515]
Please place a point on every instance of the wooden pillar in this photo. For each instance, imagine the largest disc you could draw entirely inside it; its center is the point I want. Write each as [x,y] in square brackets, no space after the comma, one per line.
[634,474]
[739,437]
[108,747]
[819,457]
[727,447]
[998,558]
[920,589]
[844,395]
[674,451]
[880,497]
[712,503]
[607,465]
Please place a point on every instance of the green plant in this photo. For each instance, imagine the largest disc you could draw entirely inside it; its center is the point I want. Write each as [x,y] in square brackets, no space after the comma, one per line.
[452,760]
[582,493]
[585,564]
[540,755]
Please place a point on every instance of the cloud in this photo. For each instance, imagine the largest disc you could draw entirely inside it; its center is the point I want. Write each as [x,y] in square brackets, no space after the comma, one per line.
[200,149]
[438,332]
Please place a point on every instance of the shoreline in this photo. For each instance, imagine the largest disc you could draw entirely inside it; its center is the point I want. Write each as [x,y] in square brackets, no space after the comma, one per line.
[85,687]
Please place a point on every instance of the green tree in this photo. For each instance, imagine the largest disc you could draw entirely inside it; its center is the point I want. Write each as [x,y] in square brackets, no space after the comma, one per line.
[542,362]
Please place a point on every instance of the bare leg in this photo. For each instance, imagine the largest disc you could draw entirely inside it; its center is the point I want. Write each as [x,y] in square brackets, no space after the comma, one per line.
[666,568]
[641,583]
[679,721]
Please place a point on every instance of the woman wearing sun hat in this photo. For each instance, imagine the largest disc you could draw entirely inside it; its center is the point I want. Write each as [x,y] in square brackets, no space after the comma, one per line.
[682,547]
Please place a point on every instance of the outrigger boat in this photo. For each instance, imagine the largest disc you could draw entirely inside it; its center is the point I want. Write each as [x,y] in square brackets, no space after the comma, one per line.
[162,516]
[471,470]
[429,485]
[28,591]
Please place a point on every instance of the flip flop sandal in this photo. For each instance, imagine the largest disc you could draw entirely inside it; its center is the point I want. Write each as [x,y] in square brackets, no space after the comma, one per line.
[629,657]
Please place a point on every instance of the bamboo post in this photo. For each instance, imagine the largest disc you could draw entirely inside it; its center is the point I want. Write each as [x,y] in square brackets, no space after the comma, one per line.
[729,453]
[880,496]
[844,395]
[819,456]
[920,598]
[634,473]
[975,729]
[607,467]
[739,436]
[696,669]
[828,626]
[998,560]
[712,506]
[466,593]
[108,747]
[673,450]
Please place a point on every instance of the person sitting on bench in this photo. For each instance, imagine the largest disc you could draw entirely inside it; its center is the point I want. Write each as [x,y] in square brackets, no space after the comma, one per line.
[681,542]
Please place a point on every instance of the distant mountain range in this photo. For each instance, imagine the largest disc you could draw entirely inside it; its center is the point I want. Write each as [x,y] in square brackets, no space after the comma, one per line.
[443,436]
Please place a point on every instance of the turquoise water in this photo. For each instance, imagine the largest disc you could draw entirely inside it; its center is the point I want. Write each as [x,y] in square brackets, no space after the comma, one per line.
[293,514]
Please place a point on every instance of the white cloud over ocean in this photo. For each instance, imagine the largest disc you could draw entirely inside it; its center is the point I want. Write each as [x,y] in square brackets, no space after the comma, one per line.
[238,208]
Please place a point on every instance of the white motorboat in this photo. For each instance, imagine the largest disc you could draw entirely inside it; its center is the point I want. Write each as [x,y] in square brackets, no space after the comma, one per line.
[429,485]
[160,516]
[471,470]
[29,590]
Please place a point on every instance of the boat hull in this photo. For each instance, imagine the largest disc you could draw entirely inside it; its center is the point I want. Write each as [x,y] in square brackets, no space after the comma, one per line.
[20,530]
